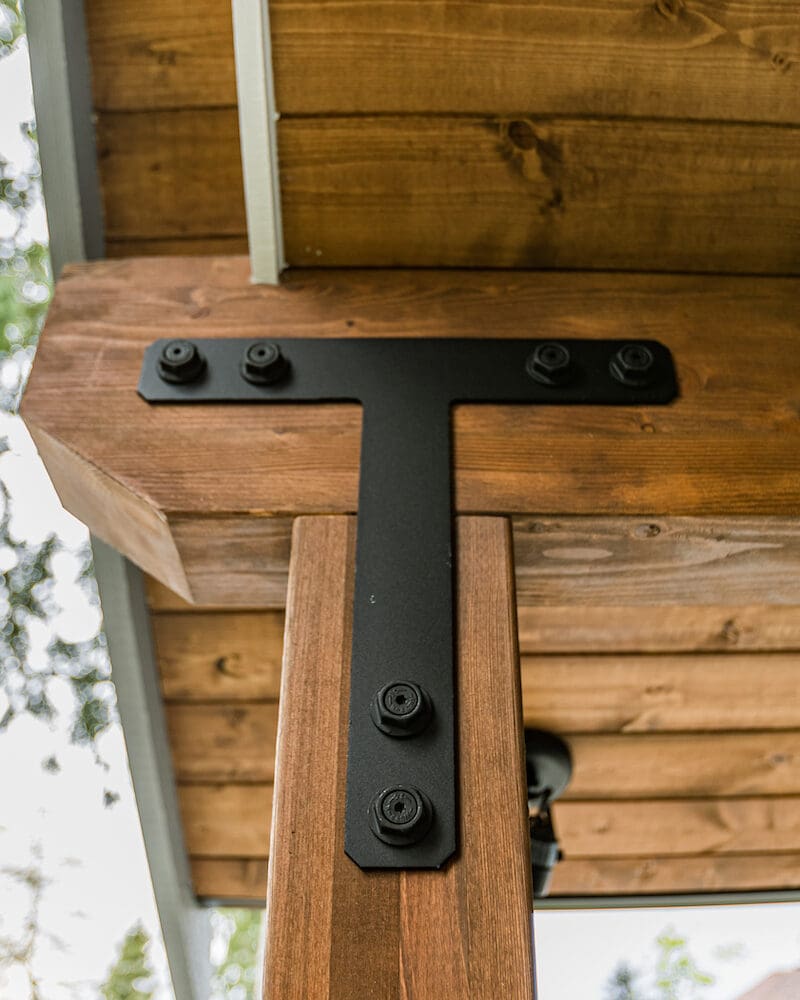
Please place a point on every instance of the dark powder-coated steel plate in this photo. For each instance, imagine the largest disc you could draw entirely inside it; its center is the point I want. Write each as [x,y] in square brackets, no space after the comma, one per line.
[403,624]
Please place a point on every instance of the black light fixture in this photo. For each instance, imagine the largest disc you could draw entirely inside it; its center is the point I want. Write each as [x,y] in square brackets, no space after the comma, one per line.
[549,769]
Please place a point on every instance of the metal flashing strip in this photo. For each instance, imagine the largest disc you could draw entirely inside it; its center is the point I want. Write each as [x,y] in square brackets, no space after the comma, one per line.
[401,807]
[63,99]
[186,928]
[60,72]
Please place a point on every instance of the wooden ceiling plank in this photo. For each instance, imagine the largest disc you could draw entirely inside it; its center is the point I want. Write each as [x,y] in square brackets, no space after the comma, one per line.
[533,192]
[600,829]
[580,561]
[686,693]
[708,62]
[174,57]
[471,191]
[675,629]
[235,743]
[245,879]
[608,693]
[219,657]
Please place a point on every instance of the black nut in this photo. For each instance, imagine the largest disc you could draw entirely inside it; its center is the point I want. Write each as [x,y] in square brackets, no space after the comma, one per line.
[263,363]
[180,361]
[550,364]
[401,815]
[401,709]
[633,365]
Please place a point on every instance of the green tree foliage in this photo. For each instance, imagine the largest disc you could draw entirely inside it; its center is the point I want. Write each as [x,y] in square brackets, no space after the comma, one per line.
[676,975]
[131,977]
[19,949]
[236,975]
[27,605]
[26,589]
[623,984]
[12,24]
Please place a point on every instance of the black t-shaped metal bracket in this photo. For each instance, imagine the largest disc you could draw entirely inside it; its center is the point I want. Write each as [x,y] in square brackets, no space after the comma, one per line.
[401,807]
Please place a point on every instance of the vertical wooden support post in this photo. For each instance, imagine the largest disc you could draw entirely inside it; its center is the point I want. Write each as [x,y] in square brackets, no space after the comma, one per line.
[335,932]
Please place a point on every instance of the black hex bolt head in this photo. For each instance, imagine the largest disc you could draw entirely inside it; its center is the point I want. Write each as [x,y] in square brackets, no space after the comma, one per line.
[633,365]
[550,364]
[263,363]
[180,361]
[401,709]
[401,815]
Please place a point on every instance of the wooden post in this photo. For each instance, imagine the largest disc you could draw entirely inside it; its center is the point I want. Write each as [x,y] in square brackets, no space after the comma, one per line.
[335,932]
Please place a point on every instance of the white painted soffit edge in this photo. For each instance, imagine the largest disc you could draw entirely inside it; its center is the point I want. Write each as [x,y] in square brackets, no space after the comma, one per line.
[259,141]
[62,97]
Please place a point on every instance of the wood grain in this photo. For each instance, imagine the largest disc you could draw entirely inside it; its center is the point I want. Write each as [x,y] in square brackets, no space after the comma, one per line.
[178,56]
[648,876]
[631,828]
[245,878]
[201,246]
[567,561]
[238,663]
[634,693]
[689,59]
[675,629]
[700,59]
[418,934]
[533,192]
[729,447]
[174,174]
[471,191]
[219,657]
[226,820]
[224,743]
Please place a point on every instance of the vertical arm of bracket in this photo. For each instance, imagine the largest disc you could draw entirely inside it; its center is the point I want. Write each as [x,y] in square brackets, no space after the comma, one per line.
[404,576]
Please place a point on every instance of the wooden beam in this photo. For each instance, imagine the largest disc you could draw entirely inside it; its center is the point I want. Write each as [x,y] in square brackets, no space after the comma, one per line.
[448,934]
[726,448]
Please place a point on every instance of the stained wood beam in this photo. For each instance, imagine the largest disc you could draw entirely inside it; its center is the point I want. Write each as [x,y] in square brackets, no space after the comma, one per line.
[185,491]
[462,933]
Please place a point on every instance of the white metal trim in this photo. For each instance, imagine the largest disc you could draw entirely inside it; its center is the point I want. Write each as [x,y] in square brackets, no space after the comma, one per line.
[184,924]
[62,95]
[258,135]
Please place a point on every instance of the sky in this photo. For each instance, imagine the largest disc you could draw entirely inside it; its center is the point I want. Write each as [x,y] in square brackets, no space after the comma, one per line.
[94,856]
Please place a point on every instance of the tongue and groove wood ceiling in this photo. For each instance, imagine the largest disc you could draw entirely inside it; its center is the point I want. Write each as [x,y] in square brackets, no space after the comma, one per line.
[596,134]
